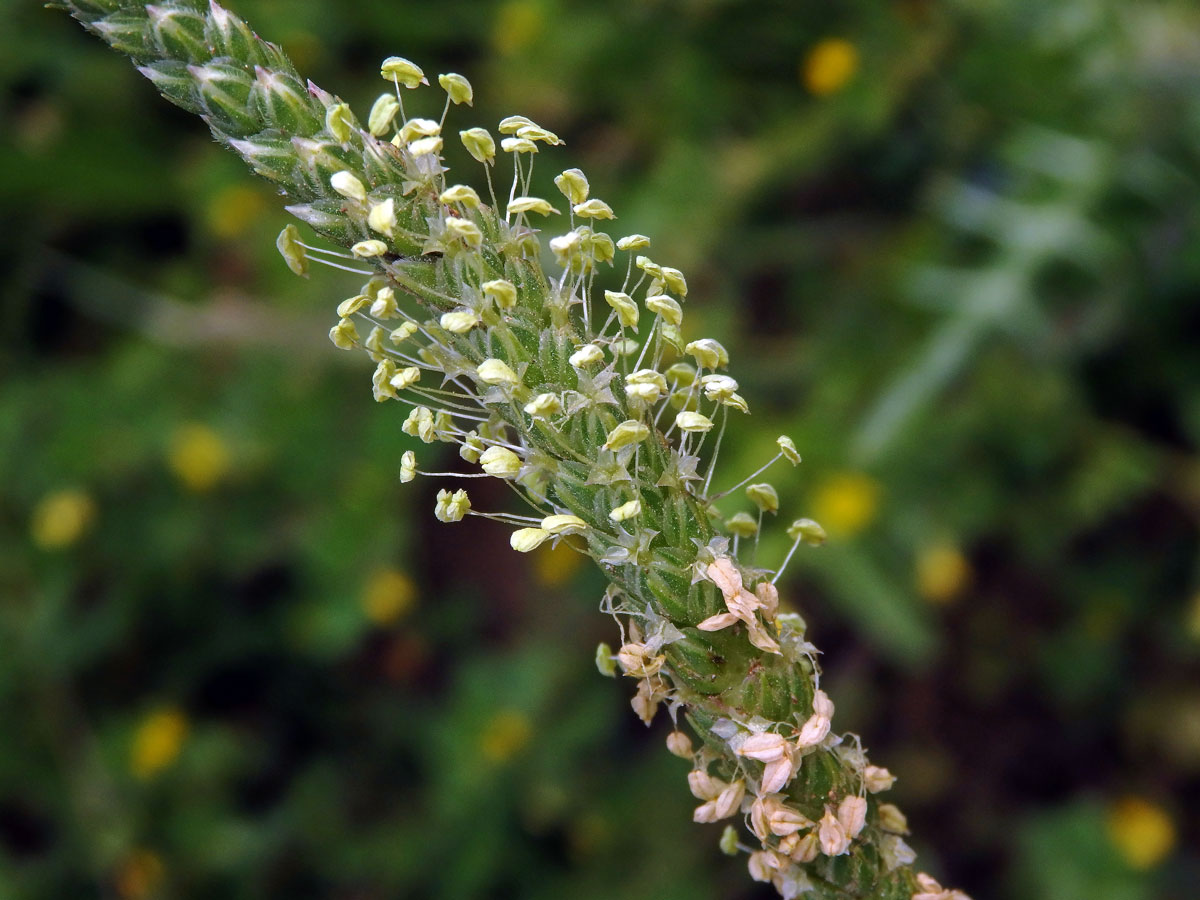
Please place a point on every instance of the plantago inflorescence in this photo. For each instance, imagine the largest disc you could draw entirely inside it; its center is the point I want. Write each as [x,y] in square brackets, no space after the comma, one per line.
[578,387]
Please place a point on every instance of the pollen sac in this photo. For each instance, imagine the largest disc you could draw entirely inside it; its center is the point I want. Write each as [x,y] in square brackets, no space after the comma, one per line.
[382,217]
[383,113]
[573,184]
[501,462]
[457,88]
[764,496]
[707,353]
[480,144]
[524,540]
[807,531]
[288,244]
[399,70]
[460,193]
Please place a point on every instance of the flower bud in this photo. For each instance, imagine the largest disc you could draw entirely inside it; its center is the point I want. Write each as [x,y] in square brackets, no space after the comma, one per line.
[420,424]
[587,355]
[495,371]
[382,217]
[852,813]
[563,523]
[466,232]
[626,511]
[833,837]
[679,744]
[503,292]
[405,378]
[368,249]
[501,462]
[626,434]
[457,88]
[525,539]
[877,778]
[348,185]
[543,406]
[344,335]
[460,321]
[339,121]
[451,507]
[403,333]
[891,819]
[384,305]
[408,466]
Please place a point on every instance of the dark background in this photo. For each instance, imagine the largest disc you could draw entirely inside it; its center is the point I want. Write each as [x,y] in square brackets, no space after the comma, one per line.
[954,251]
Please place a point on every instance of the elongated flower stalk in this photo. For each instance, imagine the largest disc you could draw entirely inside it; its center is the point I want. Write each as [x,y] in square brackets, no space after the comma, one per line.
[580,389]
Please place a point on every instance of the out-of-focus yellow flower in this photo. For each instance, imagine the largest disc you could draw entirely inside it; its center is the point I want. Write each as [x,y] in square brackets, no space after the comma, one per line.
[942,572]
[157,742]
[845,503]
[1193,617]
[829,66]
[1141,831]
[60,518]
[518,24]
[233,210]
[505,735]
[139,875]
[198,456]
[388,596]
[554,566]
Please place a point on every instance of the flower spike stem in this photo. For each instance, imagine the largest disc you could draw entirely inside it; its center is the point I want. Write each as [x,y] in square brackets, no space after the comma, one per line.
[564,413]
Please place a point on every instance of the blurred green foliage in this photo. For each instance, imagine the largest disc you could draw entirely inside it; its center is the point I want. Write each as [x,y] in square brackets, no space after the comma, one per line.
[954,250]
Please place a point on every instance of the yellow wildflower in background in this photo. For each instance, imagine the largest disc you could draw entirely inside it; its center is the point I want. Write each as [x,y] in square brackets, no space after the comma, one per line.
[554,566]
[829,66]
[233,209]
[1193,617]
[1141,831]
[60,518]
[518,24]
[942,572]
[198,456]
[388,596]
[157,742]
[845,503]
[505,735]
[140,875]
